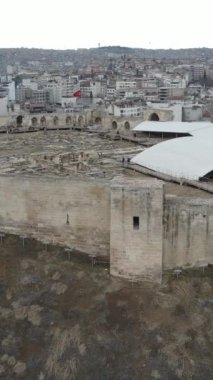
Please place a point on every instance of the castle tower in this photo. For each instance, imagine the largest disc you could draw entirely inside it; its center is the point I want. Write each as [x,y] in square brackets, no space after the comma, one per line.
[136,233]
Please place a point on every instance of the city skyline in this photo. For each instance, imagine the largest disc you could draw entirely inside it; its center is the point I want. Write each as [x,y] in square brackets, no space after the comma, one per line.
[153,25]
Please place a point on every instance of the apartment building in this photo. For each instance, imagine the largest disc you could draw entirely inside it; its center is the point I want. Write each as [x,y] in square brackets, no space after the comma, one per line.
[110,92]
[125,84]
[40,96]
[55,90]
[192,112]
[91,89]
[125,110]
[197,72]
[166,93]
[3,103]
[67,87]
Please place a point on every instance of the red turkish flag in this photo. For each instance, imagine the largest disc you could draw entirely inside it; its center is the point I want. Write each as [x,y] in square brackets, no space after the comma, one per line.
[77,93]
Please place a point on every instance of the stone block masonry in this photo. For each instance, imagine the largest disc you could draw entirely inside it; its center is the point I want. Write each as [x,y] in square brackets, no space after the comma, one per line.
[136,229]
[188,231]
[141,230]
[72,213]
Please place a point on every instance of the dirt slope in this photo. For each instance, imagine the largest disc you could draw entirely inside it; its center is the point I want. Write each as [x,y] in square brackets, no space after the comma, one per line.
[62,319]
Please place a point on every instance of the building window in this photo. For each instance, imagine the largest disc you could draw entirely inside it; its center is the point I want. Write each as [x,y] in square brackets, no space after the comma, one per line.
[136,222]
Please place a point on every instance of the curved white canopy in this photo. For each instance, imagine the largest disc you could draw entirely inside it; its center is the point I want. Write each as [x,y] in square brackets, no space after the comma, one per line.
[171,126]
[184,157]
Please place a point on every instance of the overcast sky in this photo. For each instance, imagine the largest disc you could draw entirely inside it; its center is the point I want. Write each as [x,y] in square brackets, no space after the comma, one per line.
[72,24]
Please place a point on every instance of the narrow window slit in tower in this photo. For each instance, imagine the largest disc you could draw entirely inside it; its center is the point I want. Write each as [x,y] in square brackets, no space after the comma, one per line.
[136,222]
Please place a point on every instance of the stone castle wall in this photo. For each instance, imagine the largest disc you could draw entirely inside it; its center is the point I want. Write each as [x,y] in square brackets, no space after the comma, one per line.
[188,231]
[131,222]
[72,213]
[101,120]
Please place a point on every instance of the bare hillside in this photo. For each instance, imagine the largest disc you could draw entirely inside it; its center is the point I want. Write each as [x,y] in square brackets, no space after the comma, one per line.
[63,319]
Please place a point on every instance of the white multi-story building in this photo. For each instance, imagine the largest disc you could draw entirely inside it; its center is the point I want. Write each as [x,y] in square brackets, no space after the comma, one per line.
[11,91]
[192,112]
[30,83]
[137,93]
[55,91]
[149,83]
[96,89]
[125,110]
[174,82]
[124,85]
[3,105]
[110,92]
[67,87]
[91,88]
[8,89]
[40,96]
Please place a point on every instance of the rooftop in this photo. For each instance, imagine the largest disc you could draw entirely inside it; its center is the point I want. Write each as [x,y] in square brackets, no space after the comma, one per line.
[172,127]
[185,157]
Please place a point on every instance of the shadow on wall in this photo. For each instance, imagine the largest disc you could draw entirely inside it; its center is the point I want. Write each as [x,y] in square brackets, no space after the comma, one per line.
[19,120]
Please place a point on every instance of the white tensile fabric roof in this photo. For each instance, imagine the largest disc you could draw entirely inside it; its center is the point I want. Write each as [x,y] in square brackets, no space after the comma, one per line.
[171,126]
[183,157]
[204,133]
